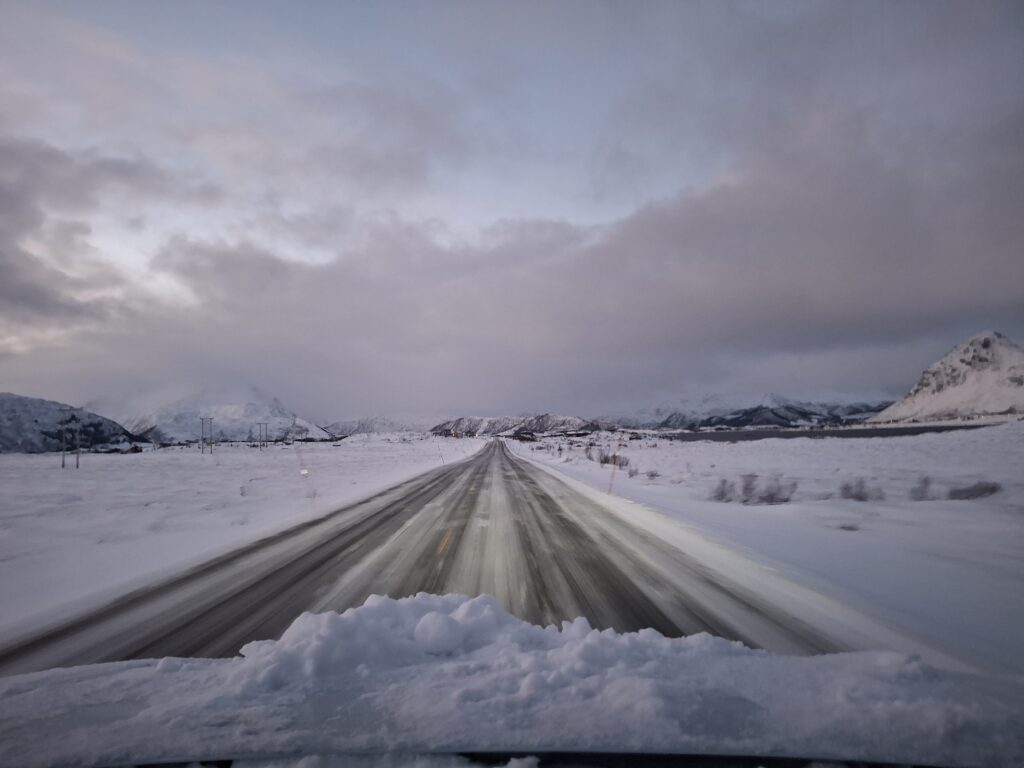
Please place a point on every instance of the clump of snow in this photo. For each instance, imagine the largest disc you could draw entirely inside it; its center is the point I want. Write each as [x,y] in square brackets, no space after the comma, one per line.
[452,673]
[438,634]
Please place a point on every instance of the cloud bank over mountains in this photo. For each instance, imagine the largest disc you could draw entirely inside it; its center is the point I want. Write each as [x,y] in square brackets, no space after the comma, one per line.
[812,199]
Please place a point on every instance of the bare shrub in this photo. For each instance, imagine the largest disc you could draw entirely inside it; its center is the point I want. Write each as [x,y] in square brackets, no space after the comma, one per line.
[977,491]
[859,490]
[724,491]
[633,471]
[589,453]
[772,491]
[612,458]
[653,474]
[776,492]
[922,491]
[748,488]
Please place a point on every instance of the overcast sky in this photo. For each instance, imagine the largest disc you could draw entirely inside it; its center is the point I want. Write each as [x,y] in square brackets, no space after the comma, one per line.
[505,207]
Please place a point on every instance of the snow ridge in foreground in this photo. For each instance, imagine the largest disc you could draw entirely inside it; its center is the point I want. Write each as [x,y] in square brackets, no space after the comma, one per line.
[446,673]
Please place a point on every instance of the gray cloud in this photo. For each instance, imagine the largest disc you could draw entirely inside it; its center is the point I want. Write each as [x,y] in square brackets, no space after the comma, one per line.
[821,198]
[66,284]
[813,243]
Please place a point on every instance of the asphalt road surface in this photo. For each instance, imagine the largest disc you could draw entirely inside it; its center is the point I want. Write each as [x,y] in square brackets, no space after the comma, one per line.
[491,524]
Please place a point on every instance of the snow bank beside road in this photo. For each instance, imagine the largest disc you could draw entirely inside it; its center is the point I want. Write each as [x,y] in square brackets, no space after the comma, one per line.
[452,673]
[76,536]
[948,571]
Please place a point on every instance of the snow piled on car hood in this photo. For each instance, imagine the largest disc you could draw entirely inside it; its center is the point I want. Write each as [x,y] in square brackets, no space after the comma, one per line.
[451,673]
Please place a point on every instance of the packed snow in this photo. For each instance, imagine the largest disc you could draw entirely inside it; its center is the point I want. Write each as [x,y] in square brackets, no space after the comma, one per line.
[73,537]
[984,375]
[949,570]
[451,673]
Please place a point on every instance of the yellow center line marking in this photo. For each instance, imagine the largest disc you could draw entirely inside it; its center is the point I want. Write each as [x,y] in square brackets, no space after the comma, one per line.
[444,542]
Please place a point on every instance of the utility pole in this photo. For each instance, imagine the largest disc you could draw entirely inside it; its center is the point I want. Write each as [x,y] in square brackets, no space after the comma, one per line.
[71,422]
[205,433]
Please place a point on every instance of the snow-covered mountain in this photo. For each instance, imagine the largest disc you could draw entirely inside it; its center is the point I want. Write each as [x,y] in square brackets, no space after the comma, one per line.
[167,417]
[373,425]
[499,425]
[982,376]
[776,411]
[32,425]
[769,411]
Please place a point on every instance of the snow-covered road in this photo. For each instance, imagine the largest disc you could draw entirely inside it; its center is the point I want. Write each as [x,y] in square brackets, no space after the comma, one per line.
[491,524]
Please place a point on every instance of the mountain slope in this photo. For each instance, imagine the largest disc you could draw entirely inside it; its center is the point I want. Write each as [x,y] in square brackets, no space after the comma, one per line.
[32,425]
[166,418]
[982,376]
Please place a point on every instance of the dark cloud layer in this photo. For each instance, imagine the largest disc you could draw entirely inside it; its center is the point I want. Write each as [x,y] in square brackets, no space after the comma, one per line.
[46,198]
[846,206]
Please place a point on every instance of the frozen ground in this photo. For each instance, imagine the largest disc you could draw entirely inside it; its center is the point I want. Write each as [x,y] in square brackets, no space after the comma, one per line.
[72,538]
[949,571]
[453,674]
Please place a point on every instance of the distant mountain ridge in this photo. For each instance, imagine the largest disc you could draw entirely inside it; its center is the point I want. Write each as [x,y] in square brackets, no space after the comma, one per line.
[34,425]
[769,411]
[500,425]
[982,376]
[371,425]
[780,412]
[168,418]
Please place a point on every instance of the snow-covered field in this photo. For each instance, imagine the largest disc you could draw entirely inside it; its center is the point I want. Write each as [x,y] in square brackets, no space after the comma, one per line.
[950,571]
[453,674]
[73,537]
